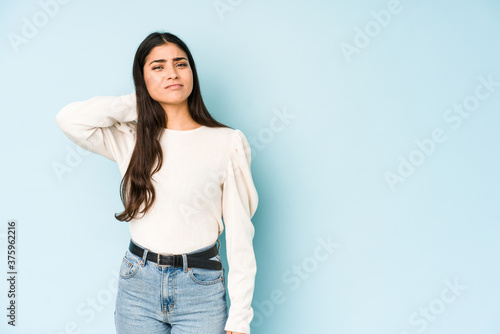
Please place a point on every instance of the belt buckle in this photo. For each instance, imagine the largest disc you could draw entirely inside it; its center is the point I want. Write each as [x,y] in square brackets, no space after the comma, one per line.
[158,262]
[161,265]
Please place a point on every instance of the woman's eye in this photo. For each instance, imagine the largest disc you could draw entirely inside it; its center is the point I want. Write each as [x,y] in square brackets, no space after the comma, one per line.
[181,64]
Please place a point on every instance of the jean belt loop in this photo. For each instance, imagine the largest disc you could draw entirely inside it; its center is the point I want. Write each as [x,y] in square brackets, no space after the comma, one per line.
[218,245]
[144,256]
[184,262]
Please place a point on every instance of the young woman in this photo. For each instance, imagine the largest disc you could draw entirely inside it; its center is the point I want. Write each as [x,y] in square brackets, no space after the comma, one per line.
[186,177]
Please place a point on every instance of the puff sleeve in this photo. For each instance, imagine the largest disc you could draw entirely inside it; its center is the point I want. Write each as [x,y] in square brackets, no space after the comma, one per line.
[103,124]
[239,203]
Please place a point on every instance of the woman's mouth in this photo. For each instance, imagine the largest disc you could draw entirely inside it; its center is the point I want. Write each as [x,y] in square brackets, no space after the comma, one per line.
[175,86]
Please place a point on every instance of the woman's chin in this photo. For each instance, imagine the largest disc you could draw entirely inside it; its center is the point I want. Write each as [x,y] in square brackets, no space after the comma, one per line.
[171,102]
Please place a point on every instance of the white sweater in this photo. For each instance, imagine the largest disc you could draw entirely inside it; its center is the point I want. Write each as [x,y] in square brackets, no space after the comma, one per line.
[205,177]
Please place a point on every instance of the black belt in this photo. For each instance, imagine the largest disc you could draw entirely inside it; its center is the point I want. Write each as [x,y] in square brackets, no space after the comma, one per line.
[197,260]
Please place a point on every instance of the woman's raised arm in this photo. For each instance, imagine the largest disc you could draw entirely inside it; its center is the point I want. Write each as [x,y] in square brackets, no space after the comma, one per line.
[103,124]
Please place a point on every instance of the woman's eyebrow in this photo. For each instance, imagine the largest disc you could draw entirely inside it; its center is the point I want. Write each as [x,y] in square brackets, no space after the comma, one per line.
[164,60]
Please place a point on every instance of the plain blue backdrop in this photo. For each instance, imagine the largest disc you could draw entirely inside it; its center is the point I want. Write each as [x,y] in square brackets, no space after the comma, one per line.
[374,131]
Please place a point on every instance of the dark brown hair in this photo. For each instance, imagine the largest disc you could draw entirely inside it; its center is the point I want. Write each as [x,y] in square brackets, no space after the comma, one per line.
[136,186]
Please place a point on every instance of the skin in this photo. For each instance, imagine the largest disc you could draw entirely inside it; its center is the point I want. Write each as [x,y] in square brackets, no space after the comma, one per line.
[160,74]
[162,69]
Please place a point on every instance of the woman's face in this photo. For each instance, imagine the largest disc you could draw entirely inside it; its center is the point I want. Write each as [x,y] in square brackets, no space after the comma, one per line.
[167,65]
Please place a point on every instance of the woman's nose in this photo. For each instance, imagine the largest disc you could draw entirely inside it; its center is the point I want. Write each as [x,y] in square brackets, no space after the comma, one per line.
[171,74]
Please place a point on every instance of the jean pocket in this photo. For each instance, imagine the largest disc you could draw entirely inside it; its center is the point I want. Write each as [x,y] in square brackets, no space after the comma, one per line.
[204,276]
[130,265]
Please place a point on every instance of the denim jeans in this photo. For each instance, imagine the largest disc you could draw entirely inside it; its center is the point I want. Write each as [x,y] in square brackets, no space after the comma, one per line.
[154,299]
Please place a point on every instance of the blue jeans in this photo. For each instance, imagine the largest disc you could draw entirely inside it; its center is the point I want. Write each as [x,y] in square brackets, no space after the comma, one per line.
[154,299]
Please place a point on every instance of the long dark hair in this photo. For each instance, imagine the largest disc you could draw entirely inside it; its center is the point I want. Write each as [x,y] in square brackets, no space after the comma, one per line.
[136,186]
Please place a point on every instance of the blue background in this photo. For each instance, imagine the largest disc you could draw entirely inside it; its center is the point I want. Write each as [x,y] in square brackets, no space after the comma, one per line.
[394,251]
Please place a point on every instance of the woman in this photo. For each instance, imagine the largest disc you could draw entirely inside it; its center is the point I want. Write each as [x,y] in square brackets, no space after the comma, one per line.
[186,177]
